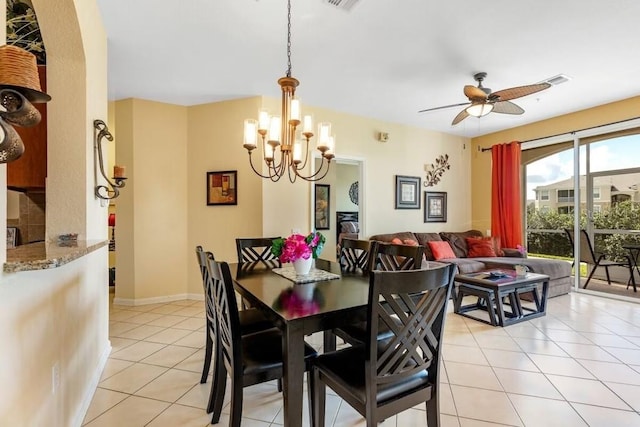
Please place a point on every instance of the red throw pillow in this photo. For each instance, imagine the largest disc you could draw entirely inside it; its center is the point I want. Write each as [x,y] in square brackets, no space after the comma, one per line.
[410,242]
[480,247]
[441,250]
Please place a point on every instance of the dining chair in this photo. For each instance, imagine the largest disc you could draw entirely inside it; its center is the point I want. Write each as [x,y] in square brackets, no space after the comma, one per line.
[387,376]
[355,255]
[249,359]
[384,257]
[254,252]
[390,257]
[589,256]
[251,320]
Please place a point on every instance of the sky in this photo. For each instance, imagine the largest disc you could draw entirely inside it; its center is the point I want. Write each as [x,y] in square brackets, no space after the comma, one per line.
[611,154]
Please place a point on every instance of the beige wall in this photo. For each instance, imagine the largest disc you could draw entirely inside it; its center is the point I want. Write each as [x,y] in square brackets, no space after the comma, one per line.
[481,161]
[266,208]
[152,209]
[59,317]
[347,174]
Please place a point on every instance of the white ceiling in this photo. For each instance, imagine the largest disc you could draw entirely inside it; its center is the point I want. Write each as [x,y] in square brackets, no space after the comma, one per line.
[384,59]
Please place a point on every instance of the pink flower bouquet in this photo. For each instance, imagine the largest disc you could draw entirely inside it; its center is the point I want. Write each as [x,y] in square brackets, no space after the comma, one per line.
[298,246]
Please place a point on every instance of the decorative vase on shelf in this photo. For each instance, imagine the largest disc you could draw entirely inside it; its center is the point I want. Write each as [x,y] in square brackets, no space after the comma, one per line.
[303,266]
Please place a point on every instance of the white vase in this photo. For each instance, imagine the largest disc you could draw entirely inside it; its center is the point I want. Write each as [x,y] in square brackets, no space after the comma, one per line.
[303,266]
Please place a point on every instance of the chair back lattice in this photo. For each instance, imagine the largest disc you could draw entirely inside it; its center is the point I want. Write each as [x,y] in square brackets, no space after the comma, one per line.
[204,271]
[389,257]
[254,252]
[354,255]
[412,305]
[222,296]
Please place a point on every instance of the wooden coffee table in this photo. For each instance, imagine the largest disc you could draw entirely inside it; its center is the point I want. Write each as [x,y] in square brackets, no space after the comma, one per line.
[492,291]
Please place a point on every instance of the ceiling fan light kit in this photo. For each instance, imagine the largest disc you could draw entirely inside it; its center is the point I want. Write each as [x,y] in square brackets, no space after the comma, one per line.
[483,101]
[479,110]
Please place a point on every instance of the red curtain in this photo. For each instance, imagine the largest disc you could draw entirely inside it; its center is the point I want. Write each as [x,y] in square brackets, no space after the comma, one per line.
[506,207]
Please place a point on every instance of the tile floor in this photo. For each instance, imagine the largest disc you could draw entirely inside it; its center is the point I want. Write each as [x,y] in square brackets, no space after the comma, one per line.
[577,366]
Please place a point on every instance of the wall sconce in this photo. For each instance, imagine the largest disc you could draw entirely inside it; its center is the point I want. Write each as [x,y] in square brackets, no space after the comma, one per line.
[102,191]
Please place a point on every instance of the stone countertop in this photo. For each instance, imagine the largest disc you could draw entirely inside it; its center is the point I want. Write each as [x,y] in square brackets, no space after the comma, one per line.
[44,255]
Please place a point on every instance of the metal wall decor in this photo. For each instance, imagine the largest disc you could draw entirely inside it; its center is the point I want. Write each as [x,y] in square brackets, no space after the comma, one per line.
[111,190]
[353,193]
[435,171]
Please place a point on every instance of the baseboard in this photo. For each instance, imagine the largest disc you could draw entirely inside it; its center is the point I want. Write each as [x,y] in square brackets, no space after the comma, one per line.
[196,297]
[152,300]
[91,387]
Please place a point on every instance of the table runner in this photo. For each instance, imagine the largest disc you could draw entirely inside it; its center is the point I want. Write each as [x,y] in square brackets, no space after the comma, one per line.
[315,275]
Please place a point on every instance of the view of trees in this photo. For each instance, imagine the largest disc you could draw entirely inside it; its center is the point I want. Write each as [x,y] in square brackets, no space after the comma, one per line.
[621,216]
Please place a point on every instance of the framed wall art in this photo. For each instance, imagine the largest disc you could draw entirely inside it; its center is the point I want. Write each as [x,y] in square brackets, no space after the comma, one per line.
[435,206]
[407,192]
[323,207]
[222,188]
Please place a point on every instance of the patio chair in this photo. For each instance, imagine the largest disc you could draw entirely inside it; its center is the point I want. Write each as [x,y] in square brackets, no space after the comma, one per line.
[590,257]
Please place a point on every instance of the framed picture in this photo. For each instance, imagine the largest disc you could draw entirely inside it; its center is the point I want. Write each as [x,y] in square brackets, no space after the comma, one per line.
[222,188]
[407,192]
[323,207]
[435,206]
[12,237]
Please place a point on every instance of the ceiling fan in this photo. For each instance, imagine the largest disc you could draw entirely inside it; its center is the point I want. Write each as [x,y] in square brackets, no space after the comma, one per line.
[482,101]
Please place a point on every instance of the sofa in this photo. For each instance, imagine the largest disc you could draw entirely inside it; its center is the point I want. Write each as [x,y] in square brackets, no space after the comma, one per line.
[559,271]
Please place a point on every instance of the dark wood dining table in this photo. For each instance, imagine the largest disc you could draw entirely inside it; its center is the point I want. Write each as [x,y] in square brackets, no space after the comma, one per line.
[334,303]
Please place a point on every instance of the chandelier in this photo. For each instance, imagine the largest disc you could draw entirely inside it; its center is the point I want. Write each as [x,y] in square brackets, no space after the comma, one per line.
[282,145]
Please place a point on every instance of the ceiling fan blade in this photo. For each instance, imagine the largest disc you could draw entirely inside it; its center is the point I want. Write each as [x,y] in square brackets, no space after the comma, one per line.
[460,117]
[517,92]
[444,106]
[473,92]
[506,107]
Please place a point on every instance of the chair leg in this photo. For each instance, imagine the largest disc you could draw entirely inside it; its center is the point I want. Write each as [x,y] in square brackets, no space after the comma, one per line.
[236,402]
[318,403]
[590,276]
[207,356]
[279,385]
[218,388]
[433,414]
[606,269]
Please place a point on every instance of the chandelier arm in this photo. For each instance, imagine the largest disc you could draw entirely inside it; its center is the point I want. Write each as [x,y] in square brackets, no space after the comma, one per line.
[306,155]
[315,176]
[254,169]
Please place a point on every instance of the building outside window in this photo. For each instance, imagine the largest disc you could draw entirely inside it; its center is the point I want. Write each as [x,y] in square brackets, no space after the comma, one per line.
[565,196]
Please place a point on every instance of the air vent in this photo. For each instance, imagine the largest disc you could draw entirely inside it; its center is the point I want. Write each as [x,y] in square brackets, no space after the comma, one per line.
[556,80]
[342,4]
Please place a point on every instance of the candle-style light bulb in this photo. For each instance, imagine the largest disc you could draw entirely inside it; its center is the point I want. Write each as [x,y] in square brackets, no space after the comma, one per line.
[250,134]
[263,120]
[274,131]
[324,133]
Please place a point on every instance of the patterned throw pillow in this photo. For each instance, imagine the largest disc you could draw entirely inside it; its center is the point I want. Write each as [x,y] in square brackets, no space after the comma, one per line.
[441,250]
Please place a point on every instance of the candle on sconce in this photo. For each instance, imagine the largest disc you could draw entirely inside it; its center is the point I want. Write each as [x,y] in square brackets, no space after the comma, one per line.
[119,171]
